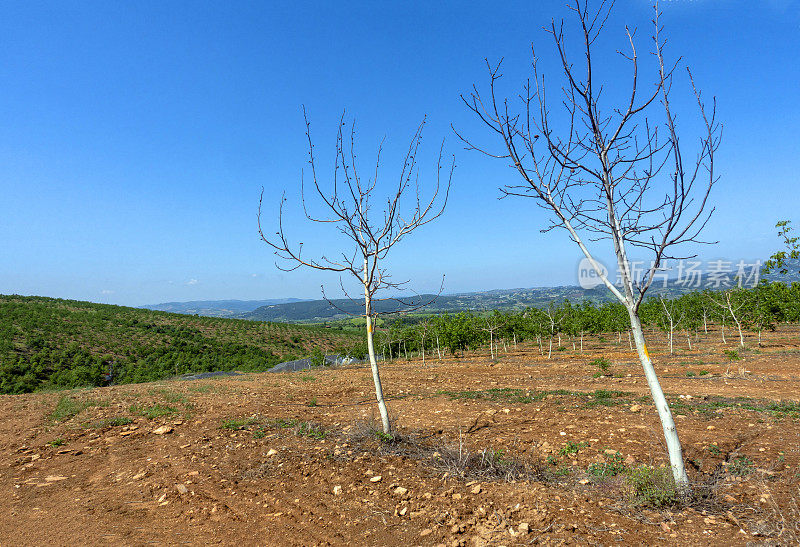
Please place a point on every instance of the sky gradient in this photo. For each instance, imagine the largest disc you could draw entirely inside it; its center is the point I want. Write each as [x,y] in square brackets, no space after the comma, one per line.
[136,137]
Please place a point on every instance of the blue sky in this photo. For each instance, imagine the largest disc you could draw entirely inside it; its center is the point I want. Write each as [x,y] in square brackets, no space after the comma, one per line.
[135,137]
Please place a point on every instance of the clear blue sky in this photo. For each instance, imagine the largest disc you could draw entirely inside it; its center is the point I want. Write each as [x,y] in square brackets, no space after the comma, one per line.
[135,137]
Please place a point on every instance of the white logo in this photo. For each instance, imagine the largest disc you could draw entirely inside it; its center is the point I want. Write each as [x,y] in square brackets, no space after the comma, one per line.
[588,278]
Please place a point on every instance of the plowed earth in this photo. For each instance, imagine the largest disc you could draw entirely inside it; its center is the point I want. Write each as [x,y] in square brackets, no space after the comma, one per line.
[288,459]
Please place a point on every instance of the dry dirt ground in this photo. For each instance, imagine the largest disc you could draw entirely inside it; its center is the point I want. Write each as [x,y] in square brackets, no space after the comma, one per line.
[523,450]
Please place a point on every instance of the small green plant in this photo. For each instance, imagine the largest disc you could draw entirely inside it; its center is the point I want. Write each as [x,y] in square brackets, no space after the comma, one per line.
[652,486]
[311,430]
[614,465]
[562,471]
[307,378]
[741,466]
[714,449]
[690,374]
[312,402]
[602,363]
[153,411]
[572,448]
[704,373]
[259,433]
[67,407]
[552,460]
[110,422]
[561,348]
[55,443]
[732,354]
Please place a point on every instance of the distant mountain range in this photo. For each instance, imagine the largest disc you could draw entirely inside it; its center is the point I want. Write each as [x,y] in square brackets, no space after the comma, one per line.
[295,310]
[218,308]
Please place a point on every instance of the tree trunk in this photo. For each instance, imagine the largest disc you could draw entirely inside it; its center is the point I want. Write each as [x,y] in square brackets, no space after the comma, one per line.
[550,349]
[723,334]
[689,339]
[630,342]
[581,341]
[376,377]
[515,340]
[438,351]
[665,415]
[539,339]
[423,350]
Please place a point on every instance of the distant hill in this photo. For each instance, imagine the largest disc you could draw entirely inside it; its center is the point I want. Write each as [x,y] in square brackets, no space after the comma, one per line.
[50,342]
[499,299]
[218,308]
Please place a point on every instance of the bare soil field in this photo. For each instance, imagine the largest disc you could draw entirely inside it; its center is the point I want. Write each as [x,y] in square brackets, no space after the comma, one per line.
[523,450]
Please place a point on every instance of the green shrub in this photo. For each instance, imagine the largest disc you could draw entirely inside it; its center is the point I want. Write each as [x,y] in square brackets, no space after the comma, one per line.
[614,465]
[602,363]
[572,448]
[741,466]
[652,486]
[732,354]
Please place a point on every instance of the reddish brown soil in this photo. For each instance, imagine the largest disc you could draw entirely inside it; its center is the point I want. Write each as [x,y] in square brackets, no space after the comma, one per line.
[266,485]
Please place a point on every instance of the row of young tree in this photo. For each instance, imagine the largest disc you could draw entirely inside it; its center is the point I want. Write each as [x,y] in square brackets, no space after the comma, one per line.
[563,325]
[608,167]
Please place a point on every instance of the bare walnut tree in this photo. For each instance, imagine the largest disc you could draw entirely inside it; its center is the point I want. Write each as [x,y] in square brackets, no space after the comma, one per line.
[348,202]
[608,172]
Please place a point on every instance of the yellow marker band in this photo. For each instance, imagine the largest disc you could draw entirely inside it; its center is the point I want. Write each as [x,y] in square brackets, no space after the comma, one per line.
[369,328]
[645,351]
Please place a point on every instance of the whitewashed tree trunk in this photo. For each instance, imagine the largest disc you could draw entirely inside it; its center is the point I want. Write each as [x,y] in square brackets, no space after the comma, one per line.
[438,351]
[376,377]
[662,407]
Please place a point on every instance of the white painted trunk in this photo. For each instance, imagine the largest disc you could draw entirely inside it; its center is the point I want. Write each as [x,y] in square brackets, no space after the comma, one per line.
[665,415]
[376,377]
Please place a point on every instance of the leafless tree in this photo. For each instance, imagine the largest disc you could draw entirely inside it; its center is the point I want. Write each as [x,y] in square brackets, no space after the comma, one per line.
[611,172]
[348,203]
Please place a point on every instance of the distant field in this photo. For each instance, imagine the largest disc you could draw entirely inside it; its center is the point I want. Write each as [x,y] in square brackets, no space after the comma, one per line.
[51,343]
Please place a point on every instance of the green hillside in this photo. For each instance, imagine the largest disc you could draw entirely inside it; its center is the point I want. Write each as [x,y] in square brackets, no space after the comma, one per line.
[47,342]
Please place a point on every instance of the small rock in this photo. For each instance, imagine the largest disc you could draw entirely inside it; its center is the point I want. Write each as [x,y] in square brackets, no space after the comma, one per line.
[182,488]
[54,478]
[425,532]
[400,491]
[636,408]
[272,452]
[163,430]
[376,478]
[456,496]
[711,428]
[403,511]
[140,476]
[476,489]
[523,528]
[337,490]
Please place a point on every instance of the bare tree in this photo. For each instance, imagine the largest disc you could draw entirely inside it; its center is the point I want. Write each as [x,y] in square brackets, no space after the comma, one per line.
[611,173]
[348,203]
